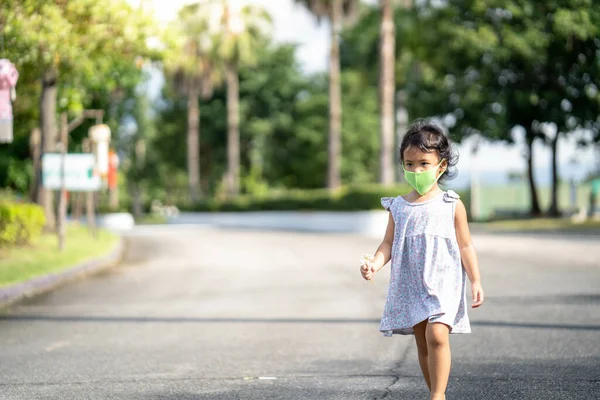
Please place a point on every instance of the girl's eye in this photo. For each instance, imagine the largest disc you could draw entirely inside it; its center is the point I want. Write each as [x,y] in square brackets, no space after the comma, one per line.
[424,164]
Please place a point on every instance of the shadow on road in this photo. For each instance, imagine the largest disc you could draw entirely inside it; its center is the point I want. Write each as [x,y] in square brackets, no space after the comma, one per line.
[576,299]
[200,320]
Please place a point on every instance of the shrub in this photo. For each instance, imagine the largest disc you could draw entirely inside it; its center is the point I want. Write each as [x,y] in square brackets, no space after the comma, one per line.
[351,198]
[20,223]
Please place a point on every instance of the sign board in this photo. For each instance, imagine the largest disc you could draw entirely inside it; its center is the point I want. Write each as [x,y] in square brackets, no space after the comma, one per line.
[80,172]
[596,186]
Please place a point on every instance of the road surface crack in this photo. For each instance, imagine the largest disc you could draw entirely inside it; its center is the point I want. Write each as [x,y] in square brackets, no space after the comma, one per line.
[395,373]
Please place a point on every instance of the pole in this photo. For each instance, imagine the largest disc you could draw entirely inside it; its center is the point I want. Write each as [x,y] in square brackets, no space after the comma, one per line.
[387,89]
[89,196]
[401,128]
[35,142]
[93,199]
[475,198]
[62,200]
[77,205]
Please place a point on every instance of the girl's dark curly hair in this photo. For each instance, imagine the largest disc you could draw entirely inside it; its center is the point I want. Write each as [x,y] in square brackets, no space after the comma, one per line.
[429,136]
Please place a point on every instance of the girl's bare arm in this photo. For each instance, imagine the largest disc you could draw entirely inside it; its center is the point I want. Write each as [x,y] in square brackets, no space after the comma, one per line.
[467,252]
[383,254]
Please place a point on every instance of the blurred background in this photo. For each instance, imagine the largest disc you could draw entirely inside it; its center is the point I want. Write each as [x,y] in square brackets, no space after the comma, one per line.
[275,105]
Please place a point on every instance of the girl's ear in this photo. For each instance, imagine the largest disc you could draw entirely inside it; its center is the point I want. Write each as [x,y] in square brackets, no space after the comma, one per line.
[443,166]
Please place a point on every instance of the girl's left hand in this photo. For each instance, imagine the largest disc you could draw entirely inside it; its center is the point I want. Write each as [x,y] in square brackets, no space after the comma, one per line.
[477,291]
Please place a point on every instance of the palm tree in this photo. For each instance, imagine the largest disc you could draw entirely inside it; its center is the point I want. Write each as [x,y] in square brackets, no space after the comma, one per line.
[336,11]
[192,70]
[387,86]
[242,31]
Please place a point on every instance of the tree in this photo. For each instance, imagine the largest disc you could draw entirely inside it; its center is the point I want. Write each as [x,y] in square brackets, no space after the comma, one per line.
[69,44]
[336,11]
[540,63]
[387,86]
[242,31]
[192,67]
[572,59]
[491,68]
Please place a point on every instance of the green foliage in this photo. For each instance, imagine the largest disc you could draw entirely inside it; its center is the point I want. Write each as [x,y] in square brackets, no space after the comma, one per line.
[90,43]
[20,223]
[518,64]
[360,129]
[190,62]
[96,48]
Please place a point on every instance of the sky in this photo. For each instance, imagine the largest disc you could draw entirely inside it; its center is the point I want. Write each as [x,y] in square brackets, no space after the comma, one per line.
[292,23]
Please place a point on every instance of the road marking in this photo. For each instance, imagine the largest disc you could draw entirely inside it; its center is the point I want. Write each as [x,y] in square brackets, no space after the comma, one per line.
[58,345]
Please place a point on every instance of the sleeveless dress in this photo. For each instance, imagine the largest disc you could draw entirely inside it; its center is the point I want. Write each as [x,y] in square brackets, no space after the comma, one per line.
[427,280]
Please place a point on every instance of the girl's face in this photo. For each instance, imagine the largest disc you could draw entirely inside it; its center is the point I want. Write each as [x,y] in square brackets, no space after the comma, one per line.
[416,160]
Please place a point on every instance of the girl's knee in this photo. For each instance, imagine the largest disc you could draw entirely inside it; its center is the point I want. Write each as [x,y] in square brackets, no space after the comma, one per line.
[437,335]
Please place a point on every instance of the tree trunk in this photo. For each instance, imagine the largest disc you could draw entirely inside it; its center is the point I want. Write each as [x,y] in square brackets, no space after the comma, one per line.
[48,127]
[387,87]
[535,205]
[475,194]
[35,149]
[401,125]
[554,210]
[136,199]
[90,210]
[62,192]
[233,131]
[193,144]
[335,98]
[77,206]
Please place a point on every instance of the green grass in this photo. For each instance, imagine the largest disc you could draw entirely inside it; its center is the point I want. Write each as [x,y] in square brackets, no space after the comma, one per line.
[23,263]
[542,224]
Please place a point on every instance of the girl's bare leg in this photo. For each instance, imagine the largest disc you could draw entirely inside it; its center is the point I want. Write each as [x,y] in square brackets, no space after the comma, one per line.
[438,346]
[422,350]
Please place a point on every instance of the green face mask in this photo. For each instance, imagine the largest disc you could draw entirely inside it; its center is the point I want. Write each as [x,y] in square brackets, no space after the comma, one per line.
[422,182]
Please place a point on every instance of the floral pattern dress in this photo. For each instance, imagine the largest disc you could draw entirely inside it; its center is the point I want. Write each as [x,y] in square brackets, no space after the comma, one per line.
[427,279]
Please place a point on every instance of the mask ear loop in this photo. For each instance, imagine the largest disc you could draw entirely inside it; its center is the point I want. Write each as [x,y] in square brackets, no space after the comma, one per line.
[442,173]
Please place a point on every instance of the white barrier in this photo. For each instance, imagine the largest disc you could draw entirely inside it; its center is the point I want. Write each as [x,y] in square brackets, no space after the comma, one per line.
[372,223]
[114,221]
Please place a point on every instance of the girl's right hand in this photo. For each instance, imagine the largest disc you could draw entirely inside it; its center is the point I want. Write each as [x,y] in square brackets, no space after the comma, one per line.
[367,270]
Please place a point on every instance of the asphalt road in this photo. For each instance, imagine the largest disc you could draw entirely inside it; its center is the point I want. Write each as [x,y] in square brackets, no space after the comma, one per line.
[220,314]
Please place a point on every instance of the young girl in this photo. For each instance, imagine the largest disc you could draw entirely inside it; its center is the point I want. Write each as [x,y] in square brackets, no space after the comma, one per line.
[429,243]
